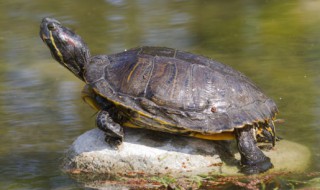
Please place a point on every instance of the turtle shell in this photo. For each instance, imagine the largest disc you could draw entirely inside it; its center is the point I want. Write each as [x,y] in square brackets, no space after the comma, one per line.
[175,91]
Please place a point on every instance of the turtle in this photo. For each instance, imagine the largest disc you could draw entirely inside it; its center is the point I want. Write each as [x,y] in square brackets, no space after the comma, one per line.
[168,90]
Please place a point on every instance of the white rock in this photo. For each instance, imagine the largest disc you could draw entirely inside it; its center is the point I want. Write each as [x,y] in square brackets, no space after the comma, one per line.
[152,153]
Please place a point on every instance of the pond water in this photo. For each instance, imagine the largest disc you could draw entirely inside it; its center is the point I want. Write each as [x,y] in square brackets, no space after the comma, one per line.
[275,43]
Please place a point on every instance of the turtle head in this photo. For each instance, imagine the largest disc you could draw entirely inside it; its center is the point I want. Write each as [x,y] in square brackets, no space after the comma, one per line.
[66,47]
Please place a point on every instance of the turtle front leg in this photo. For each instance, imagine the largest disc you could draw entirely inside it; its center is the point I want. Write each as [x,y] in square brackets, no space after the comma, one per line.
[114,132]
[253,161]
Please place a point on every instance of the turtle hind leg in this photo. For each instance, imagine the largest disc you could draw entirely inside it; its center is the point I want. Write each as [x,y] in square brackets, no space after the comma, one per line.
[253,160]
[114,132]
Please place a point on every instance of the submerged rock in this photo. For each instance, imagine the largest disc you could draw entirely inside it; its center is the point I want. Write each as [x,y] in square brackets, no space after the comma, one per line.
[153,153]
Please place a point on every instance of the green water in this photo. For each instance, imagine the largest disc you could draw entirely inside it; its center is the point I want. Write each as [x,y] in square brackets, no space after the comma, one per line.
[275,43]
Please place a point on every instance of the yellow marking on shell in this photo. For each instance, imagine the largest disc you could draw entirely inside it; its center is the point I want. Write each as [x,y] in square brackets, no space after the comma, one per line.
[91,102]
[131,72]
[119,104]
[131,125]
[87,95]
[217,136]
[55,47]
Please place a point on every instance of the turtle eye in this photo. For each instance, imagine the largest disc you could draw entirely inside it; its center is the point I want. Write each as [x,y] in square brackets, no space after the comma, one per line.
[51,26]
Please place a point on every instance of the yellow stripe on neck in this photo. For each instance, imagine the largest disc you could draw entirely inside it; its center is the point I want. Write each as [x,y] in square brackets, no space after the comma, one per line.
[57,50]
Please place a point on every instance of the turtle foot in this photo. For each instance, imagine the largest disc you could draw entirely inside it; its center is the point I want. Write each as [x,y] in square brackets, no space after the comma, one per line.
[253,160]
[257,168]
[114,142]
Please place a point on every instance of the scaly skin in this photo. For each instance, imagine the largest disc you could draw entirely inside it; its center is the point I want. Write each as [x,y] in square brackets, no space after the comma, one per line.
[253,161]
[114,132]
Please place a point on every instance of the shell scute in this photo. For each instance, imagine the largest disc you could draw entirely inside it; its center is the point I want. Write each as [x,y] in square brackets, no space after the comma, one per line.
[177,91]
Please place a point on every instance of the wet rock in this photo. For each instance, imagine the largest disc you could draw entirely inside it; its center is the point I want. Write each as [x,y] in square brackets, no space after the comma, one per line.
[150,153]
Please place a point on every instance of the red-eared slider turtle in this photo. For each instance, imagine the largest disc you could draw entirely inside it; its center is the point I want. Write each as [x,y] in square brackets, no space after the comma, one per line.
[167,90]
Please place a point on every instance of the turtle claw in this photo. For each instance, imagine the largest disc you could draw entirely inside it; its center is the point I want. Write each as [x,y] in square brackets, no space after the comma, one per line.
[256,168]
[114,142]
[113,131]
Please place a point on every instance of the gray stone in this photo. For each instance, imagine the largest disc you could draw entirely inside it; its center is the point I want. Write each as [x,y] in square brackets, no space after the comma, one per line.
[151,153]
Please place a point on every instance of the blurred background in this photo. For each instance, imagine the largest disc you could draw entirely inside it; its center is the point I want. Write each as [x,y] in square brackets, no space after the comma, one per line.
[275,43]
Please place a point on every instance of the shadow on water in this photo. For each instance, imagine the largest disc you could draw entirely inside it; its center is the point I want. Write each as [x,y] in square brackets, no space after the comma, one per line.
[275,43]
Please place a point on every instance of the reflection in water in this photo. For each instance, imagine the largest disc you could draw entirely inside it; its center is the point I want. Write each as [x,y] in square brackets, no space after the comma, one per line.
[34,112]
[19,93]
[67,113]
[32,116]
[275,43]
[148,22]
[28,100]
